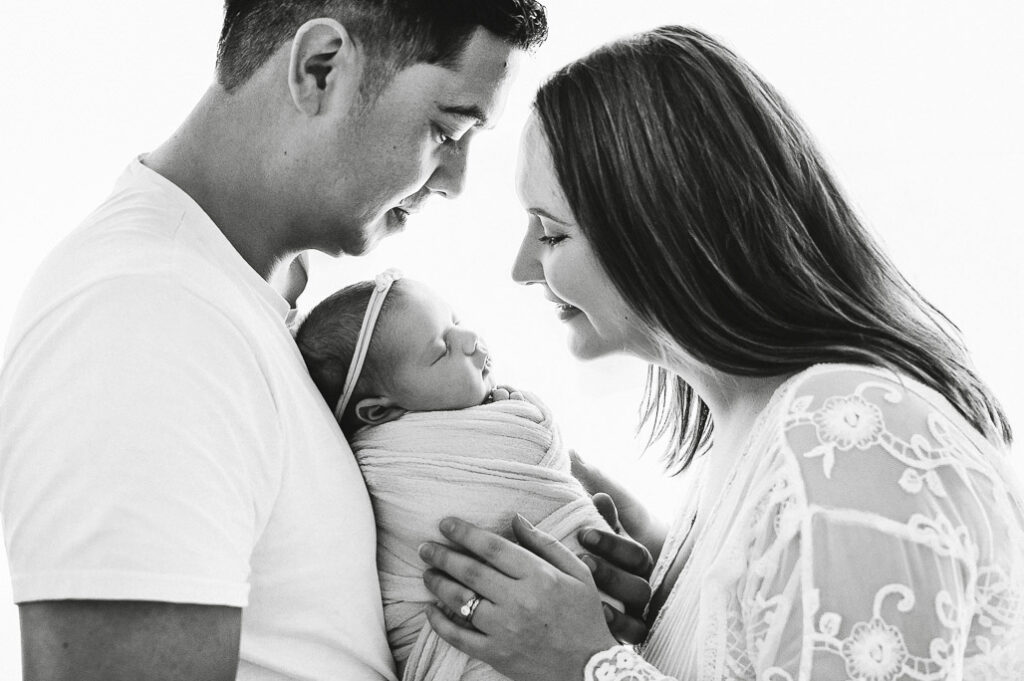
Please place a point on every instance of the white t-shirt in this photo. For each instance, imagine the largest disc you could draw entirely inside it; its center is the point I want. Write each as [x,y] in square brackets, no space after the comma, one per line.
[161,440]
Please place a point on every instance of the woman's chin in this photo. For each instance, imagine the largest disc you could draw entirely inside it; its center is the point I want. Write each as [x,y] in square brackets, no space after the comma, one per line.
[587,346]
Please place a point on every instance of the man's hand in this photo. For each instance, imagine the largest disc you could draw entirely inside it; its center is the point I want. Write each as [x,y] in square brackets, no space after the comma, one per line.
[128,641]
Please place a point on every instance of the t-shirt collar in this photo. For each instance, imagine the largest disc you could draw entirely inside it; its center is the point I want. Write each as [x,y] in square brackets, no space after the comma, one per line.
[219,247]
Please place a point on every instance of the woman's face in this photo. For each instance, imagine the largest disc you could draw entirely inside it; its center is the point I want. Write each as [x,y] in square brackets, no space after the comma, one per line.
[556,254]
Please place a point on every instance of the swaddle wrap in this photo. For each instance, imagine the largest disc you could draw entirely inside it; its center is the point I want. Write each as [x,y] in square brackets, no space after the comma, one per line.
[483,464]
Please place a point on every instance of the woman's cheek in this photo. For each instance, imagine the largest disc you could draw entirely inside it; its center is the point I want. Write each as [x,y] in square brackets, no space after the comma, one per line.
[562,276]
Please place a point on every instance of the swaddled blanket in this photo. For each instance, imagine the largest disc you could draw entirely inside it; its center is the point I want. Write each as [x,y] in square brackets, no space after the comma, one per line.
[483,464]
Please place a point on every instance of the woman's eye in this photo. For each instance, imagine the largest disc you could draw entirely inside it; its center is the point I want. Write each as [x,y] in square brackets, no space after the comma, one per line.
[551,240]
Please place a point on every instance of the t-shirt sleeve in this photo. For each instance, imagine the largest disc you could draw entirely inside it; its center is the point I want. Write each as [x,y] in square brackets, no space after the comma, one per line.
[140,451]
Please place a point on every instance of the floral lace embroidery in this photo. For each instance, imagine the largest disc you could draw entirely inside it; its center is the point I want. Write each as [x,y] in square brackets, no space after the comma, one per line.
[876,651]
[621,663]
[942,498]
[849,422]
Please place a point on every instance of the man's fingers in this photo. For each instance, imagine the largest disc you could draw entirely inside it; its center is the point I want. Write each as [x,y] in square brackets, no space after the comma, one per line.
[606,507]
[621,551]
[625,629]
[631,590]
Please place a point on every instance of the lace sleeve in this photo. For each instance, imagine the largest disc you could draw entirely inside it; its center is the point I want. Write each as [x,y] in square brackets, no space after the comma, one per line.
[621,663]
[888,548]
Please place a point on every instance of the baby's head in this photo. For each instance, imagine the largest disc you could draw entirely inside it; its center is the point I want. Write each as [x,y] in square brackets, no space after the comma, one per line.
[419,357]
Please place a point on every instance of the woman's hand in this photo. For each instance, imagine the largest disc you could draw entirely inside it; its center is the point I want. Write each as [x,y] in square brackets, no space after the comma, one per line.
[540,616]
[621,568]
[620,504]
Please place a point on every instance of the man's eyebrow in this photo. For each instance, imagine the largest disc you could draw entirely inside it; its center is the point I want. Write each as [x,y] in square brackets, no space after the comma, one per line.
[466,111]
[540,212]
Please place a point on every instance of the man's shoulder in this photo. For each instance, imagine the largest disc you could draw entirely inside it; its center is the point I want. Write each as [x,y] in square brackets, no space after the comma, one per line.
[134,237]
[132,232]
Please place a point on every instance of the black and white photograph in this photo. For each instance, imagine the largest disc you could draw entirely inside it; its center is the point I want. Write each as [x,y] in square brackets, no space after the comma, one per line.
[512,340]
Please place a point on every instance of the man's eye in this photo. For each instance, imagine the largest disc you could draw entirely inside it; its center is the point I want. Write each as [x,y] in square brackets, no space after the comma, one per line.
[442,137]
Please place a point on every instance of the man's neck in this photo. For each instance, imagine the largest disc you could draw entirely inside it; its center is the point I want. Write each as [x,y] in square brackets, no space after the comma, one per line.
[215,157]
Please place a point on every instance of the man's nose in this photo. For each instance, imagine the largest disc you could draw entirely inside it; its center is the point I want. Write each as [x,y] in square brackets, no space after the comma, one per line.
[449,177]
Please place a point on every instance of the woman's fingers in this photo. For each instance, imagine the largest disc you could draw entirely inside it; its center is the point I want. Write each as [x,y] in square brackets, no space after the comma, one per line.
[624,628]
[632,590]
[469,641]
[498,552]
[618,550]
[606,507]
[550,549]
[545,602]
[453,596]
[466,570]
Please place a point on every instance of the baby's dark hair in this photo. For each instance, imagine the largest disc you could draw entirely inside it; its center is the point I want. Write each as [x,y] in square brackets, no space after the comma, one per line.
[327,340]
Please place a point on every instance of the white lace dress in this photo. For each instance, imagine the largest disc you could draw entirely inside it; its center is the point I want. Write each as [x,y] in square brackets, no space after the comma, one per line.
[868,534]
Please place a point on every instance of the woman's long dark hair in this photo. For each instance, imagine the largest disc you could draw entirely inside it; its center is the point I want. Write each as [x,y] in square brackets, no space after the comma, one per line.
[716,218]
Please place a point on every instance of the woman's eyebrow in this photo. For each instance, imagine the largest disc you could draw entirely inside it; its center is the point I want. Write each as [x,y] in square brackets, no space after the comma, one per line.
[540,212]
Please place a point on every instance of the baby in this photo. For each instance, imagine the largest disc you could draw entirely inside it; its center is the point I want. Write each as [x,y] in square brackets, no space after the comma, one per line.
[421,359]
[413,392]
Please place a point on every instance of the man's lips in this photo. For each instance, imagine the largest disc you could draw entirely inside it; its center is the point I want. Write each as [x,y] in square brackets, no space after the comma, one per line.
[400,215]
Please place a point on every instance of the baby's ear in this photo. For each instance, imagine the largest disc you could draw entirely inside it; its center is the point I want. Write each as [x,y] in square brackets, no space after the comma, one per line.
[374,411]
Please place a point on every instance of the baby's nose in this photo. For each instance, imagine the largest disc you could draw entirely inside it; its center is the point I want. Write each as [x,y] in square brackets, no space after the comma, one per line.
[472,344]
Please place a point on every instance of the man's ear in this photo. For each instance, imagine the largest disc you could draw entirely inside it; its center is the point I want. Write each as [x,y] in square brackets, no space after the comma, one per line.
[374,411]
[323,58]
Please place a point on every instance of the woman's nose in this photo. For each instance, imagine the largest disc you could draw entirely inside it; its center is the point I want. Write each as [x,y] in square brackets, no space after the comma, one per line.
[527,269]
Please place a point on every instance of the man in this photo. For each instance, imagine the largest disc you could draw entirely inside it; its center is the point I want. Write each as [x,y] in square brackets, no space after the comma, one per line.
[165,461]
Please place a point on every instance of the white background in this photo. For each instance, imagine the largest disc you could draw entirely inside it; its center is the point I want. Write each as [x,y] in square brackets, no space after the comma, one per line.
[918,104]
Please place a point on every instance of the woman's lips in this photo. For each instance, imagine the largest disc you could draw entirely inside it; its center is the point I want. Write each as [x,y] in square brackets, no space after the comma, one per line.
[567,311]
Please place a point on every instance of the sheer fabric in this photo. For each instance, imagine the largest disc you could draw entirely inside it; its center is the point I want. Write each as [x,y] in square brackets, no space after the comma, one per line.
[868,533]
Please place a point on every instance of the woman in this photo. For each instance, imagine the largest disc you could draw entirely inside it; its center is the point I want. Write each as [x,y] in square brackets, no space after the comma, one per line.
[855,518]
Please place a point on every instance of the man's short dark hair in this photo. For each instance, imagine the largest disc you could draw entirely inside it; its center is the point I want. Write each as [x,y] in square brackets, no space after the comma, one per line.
[393,33]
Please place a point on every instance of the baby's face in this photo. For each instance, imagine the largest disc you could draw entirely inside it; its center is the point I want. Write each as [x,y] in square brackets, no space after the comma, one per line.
[433,363]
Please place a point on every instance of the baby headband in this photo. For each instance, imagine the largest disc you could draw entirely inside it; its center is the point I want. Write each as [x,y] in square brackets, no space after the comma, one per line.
[382,284]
